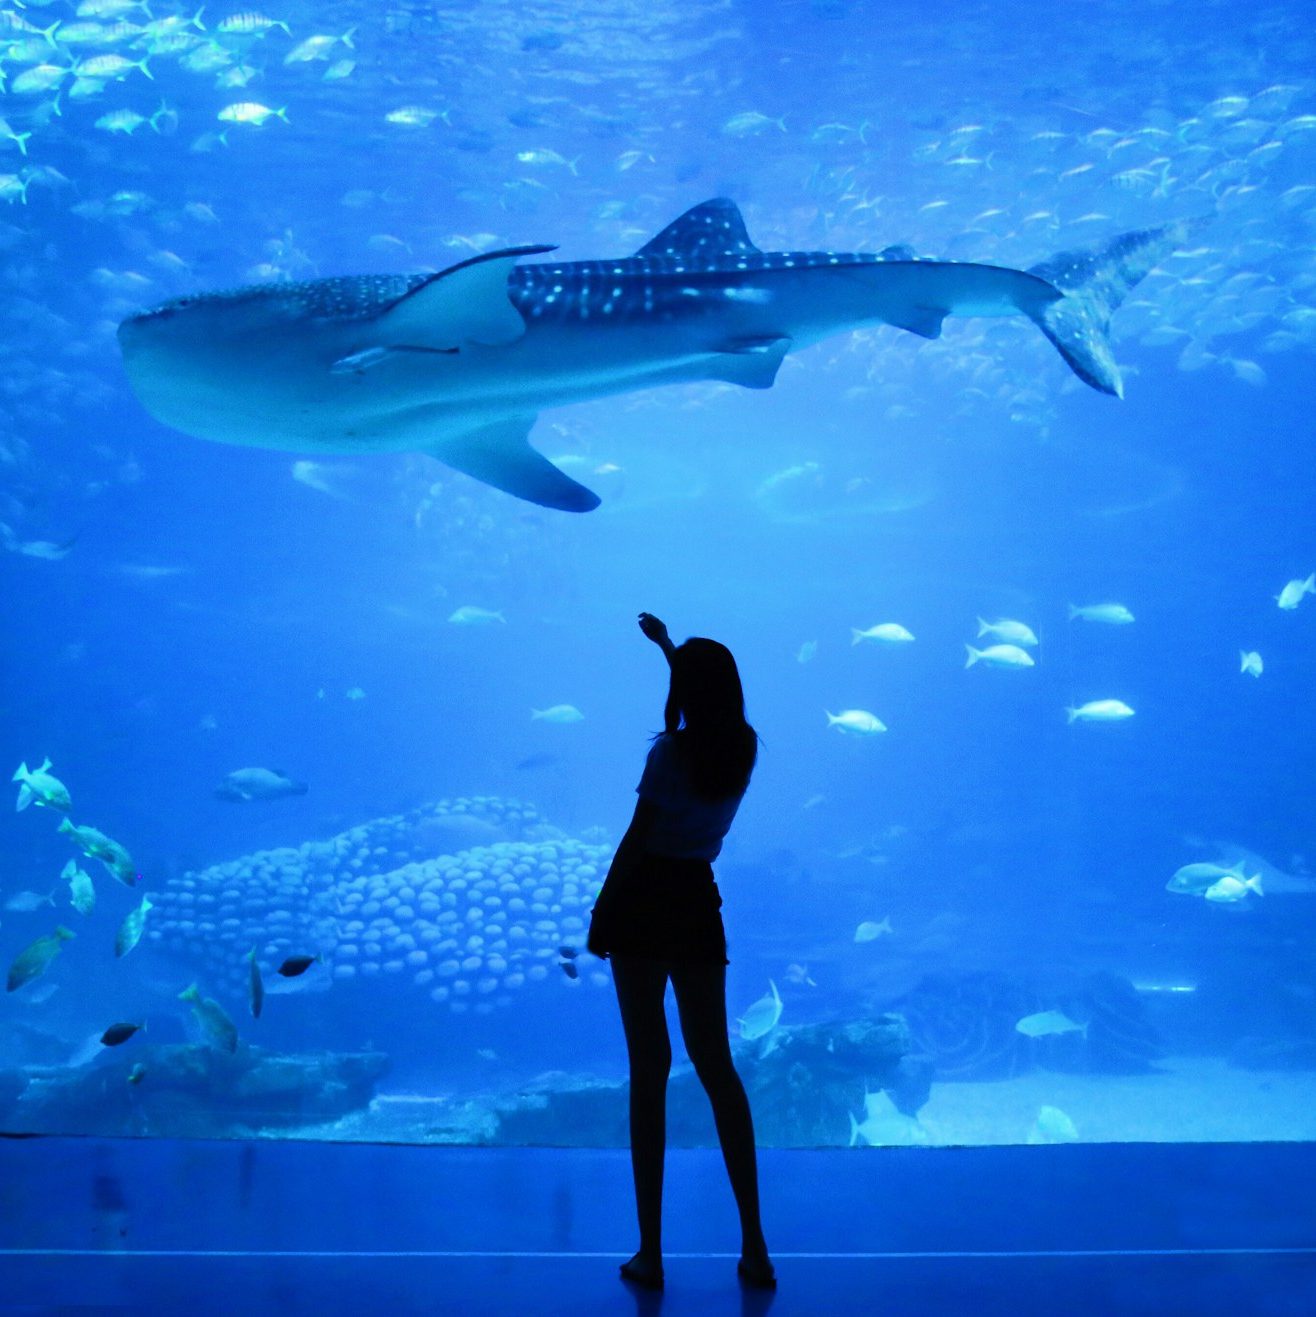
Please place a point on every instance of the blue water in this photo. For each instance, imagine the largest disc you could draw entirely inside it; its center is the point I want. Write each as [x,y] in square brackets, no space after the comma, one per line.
[197,609]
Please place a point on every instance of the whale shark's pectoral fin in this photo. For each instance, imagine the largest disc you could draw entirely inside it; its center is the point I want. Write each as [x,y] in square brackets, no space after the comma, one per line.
[499,454]
[750,362]
[466,303]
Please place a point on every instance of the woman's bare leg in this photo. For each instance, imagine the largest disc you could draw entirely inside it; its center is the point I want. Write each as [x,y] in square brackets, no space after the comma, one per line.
[702,1001]
[641,986]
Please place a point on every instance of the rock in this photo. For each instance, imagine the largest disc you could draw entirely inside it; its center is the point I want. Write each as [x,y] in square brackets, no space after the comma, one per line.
[192,1091]
[1120,1039]
[966,1023]
[801,1083]
[12,1085]
[569,1111]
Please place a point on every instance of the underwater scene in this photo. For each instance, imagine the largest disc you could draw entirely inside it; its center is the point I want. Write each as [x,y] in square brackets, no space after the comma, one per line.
[368,369]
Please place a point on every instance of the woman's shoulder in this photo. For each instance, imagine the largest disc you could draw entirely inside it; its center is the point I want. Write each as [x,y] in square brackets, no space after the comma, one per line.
[662,771]
[663,749]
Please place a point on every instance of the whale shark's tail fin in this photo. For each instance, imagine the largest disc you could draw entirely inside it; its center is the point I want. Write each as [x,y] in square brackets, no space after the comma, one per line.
[1091,284]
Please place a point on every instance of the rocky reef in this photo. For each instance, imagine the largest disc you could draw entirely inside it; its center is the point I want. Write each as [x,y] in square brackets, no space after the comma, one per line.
[802,1087]
[190,1091]
[803,1082]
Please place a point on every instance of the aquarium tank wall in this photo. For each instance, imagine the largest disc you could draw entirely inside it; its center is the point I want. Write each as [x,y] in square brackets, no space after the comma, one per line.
[369,368]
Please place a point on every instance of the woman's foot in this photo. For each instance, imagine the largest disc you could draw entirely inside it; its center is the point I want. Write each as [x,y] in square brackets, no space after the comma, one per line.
[755,1269]
[643,1270]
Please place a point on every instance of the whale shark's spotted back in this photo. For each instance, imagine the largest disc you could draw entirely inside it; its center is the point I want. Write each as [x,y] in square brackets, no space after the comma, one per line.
[710,239]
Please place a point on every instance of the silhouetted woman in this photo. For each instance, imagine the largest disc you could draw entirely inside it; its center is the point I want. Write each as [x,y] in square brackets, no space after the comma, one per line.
[658,917]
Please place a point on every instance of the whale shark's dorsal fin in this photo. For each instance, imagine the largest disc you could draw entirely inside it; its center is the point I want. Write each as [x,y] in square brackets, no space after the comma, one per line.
[466,303]
[711,229]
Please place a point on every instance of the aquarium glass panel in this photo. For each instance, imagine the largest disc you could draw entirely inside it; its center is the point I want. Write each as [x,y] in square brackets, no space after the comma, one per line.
[370,369]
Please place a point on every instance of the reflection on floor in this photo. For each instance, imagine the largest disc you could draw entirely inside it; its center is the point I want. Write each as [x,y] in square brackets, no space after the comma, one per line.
[199,1228]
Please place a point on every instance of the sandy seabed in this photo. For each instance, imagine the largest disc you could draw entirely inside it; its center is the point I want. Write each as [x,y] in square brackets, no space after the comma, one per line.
[1198,1099]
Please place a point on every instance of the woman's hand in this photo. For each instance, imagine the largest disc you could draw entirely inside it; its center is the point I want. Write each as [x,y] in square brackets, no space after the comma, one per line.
[656,630]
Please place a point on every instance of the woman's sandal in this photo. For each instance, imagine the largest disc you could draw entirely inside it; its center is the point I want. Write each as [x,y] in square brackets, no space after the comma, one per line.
[756,1276]
[640,1276]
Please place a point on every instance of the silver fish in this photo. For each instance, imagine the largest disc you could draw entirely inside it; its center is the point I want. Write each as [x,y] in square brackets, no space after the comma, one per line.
[130,931]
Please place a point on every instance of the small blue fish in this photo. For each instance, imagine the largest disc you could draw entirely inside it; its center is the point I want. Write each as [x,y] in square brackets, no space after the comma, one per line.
[295,965]
[119,1033]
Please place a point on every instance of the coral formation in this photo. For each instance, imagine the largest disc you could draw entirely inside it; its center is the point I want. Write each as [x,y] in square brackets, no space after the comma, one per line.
[967,1024]
[468,900]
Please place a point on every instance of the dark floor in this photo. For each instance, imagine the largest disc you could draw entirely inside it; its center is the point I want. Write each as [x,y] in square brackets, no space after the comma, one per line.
[199,1228]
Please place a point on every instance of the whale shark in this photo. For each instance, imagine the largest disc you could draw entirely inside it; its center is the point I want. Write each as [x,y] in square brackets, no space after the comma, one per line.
[459,363]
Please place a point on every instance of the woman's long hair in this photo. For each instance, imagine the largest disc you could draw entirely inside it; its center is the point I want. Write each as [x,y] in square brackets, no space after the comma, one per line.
[706,714]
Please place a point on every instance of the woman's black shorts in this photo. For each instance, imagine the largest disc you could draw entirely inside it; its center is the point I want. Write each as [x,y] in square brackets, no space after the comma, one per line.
[661,907]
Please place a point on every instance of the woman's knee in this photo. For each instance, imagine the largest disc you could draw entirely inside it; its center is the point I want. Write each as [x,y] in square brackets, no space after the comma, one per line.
[713,1065]
[650,1052]
[651,1071]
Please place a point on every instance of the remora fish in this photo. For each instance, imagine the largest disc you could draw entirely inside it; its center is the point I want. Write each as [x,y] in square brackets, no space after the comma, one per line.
[459,364]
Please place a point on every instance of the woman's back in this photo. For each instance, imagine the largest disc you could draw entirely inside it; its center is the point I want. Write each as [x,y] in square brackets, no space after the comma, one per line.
[685,824]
